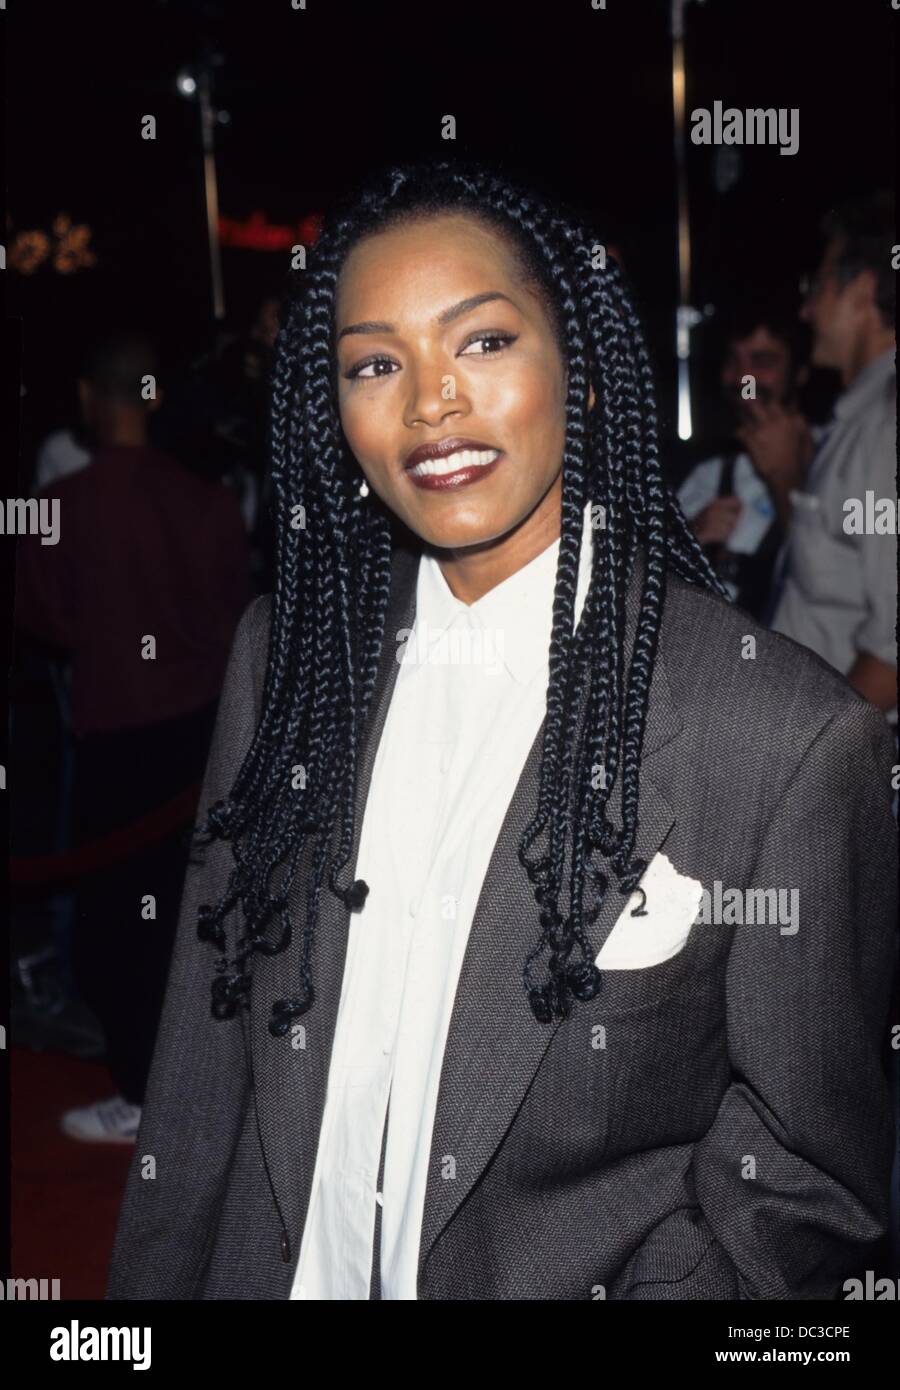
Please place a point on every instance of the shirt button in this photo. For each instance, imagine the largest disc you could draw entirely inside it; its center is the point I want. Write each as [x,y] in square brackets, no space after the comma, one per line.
[413,907]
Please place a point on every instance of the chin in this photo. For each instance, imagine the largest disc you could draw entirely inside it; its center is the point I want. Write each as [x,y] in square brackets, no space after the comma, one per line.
[457,530]
[818,357]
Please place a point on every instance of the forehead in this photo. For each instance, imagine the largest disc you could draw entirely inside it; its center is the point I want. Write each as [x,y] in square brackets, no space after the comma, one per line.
[761,339]
[424,263]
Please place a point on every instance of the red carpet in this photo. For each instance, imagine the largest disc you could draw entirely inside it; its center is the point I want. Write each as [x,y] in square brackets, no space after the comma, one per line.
[65,1194]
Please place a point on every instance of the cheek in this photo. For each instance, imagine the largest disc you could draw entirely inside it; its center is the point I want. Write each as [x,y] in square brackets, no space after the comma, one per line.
[528,405]
[831,314]
[366,426]
[846,317]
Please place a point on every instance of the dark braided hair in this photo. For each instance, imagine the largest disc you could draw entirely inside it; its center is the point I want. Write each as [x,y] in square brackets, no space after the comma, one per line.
[333,580]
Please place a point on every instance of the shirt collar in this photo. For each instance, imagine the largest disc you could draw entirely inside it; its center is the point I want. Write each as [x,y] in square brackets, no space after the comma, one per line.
[515,617]
[861,393]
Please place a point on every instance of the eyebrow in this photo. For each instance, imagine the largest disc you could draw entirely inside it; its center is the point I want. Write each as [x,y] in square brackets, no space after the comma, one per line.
[446,316]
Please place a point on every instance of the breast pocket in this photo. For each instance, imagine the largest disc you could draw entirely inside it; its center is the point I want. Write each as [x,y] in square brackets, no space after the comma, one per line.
[641,960]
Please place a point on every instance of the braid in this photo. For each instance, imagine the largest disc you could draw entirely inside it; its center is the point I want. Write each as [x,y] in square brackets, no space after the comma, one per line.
[333,573]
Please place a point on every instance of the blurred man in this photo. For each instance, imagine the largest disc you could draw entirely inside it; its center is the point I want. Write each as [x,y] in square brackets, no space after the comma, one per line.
[736,512]
[838,577]
[143,590]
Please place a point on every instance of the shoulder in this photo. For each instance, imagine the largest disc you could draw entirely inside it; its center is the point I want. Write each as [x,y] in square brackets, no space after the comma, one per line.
[874,426]
[67,485]
[171,473]
[256,620]
[752,702]
[250,649]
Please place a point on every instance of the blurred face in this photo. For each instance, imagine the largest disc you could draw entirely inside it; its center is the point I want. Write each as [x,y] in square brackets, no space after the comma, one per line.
[764,357]
[833,312]
[451,386]
[265,329]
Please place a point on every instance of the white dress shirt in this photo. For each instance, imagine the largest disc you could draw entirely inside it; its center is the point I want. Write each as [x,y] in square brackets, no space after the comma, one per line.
[59,455]
[701,486]
[468,702]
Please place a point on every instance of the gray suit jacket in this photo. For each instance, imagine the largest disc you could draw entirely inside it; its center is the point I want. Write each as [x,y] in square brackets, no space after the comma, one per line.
[733,1137]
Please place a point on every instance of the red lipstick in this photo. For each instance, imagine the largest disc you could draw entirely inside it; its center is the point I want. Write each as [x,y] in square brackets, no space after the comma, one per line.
[451,463]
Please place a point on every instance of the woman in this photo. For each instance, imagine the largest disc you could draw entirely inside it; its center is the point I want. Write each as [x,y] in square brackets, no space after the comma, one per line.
[489,907]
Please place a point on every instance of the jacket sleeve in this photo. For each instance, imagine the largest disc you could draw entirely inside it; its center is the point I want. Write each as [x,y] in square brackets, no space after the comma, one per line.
[793,1176]
[198,1085]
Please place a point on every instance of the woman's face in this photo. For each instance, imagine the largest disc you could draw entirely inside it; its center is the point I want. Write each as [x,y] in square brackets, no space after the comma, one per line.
[419,364]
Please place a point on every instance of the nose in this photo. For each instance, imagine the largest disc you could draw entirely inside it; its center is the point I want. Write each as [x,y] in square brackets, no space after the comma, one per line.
[433,395]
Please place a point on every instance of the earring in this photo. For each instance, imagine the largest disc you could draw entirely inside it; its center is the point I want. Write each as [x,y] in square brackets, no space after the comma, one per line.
[364,488]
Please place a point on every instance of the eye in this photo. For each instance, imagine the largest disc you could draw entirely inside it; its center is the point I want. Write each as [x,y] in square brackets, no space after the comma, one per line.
[500,339]
[360,369]
[495,336]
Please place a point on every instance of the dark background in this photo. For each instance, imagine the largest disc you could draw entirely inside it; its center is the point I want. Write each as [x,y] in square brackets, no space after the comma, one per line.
[576,100]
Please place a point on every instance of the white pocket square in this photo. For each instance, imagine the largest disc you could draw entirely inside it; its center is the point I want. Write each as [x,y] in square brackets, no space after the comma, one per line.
[673,903]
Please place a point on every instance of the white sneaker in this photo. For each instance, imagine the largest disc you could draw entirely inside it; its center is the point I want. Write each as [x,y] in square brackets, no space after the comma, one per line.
[113,1121]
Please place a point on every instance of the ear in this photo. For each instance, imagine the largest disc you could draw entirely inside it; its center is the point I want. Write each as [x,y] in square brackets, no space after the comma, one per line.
[591,397]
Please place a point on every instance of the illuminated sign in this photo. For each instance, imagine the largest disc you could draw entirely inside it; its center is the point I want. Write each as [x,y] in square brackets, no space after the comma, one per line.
[66,251]
[256,233]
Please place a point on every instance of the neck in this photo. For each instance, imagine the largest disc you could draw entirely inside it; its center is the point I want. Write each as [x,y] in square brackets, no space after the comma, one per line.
[118,426]
[868,349]
[473,571]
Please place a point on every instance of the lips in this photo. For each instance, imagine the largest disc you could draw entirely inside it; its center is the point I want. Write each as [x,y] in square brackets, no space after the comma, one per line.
[444,448]
[460,469]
